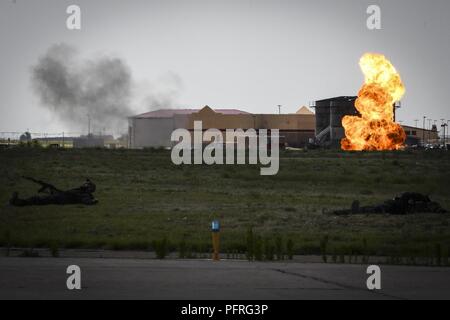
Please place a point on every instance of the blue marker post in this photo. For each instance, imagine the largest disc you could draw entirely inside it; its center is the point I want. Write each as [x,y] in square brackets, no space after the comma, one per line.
[215,228]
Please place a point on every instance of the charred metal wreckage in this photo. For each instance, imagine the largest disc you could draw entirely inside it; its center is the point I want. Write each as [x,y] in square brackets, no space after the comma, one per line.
[406,203]
[80,195]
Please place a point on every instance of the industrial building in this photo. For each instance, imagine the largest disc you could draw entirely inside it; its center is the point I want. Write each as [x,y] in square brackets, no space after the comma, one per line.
[154,129]
[416,136]
[324,128]
[329,114]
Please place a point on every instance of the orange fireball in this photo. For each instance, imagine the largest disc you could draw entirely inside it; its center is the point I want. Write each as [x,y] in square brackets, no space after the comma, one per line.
[375,129]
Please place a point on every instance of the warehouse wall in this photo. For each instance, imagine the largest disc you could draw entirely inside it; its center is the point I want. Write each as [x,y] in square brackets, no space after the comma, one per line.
[286,122]
[296,129]
[431,136]
[211,119]
[151,132]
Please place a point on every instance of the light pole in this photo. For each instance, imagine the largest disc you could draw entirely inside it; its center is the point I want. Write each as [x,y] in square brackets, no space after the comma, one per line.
[445,138]
[417,122]
[423,132]
[89,124]
[444,125]
[279,108]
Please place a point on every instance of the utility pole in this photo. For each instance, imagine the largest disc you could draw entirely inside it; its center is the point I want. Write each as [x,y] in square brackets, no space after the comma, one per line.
[89,124]
[423,132]
[416,121]
[279,108]
[397,105]
[445,131]
[445,138]
[444,125]
[429,124]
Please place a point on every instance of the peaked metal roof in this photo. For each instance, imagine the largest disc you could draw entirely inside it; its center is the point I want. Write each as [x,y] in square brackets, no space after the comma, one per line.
[169,113]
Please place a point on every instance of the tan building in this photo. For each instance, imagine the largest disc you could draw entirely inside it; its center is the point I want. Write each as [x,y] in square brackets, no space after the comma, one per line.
[419,136]
[154,129]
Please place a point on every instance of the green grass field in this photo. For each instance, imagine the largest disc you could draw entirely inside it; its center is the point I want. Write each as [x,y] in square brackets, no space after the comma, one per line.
[144,197]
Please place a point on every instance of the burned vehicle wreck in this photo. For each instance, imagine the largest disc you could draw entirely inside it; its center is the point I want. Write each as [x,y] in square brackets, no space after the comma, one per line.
[406,203]
[49,194]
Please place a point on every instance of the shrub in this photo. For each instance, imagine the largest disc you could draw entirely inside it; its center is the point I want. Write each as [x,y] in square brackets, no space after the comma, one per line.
[8,242]
[290,249]
[365,258]
[279,250]
[54,250]
[182,252]
[438,254]
[258,250]
[323,248]
[161,248]
[268,250]
[250,245]
[445,256]
[334,257]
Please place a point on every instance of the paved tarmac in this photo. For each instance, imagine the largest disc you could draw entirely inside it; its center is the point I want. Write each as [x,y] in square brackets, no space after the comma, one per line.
[45,278]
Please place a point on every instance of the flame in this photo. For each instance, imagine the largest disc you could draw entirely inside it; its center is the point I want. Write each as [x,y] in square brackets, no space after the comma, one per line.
[375,129]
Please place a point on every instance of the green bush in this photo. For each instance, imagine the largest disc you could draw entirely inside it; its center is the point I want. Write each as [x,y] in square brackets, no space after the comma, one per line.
[445,256]
[258,248]
[161,248]
[323,248]
[183,250]
[268,250]
[290,249]
[365,249]
[54,250]
[8,242]
[279,250]
[250,245]
[334,257]
[438,254]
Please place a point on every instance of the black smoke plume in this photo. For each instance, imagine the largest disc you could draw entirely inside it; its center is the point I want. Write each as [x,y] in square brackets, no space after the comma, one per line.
[76,88]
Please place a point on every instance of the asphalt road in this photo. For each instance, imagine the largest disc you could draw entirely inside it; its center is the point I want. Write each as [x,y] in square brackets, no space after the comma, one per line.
[45,278]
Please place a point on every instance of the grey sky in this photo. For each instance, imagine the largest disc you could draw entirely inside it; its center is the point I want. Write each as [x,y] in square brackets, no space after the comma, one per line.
[247,54]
